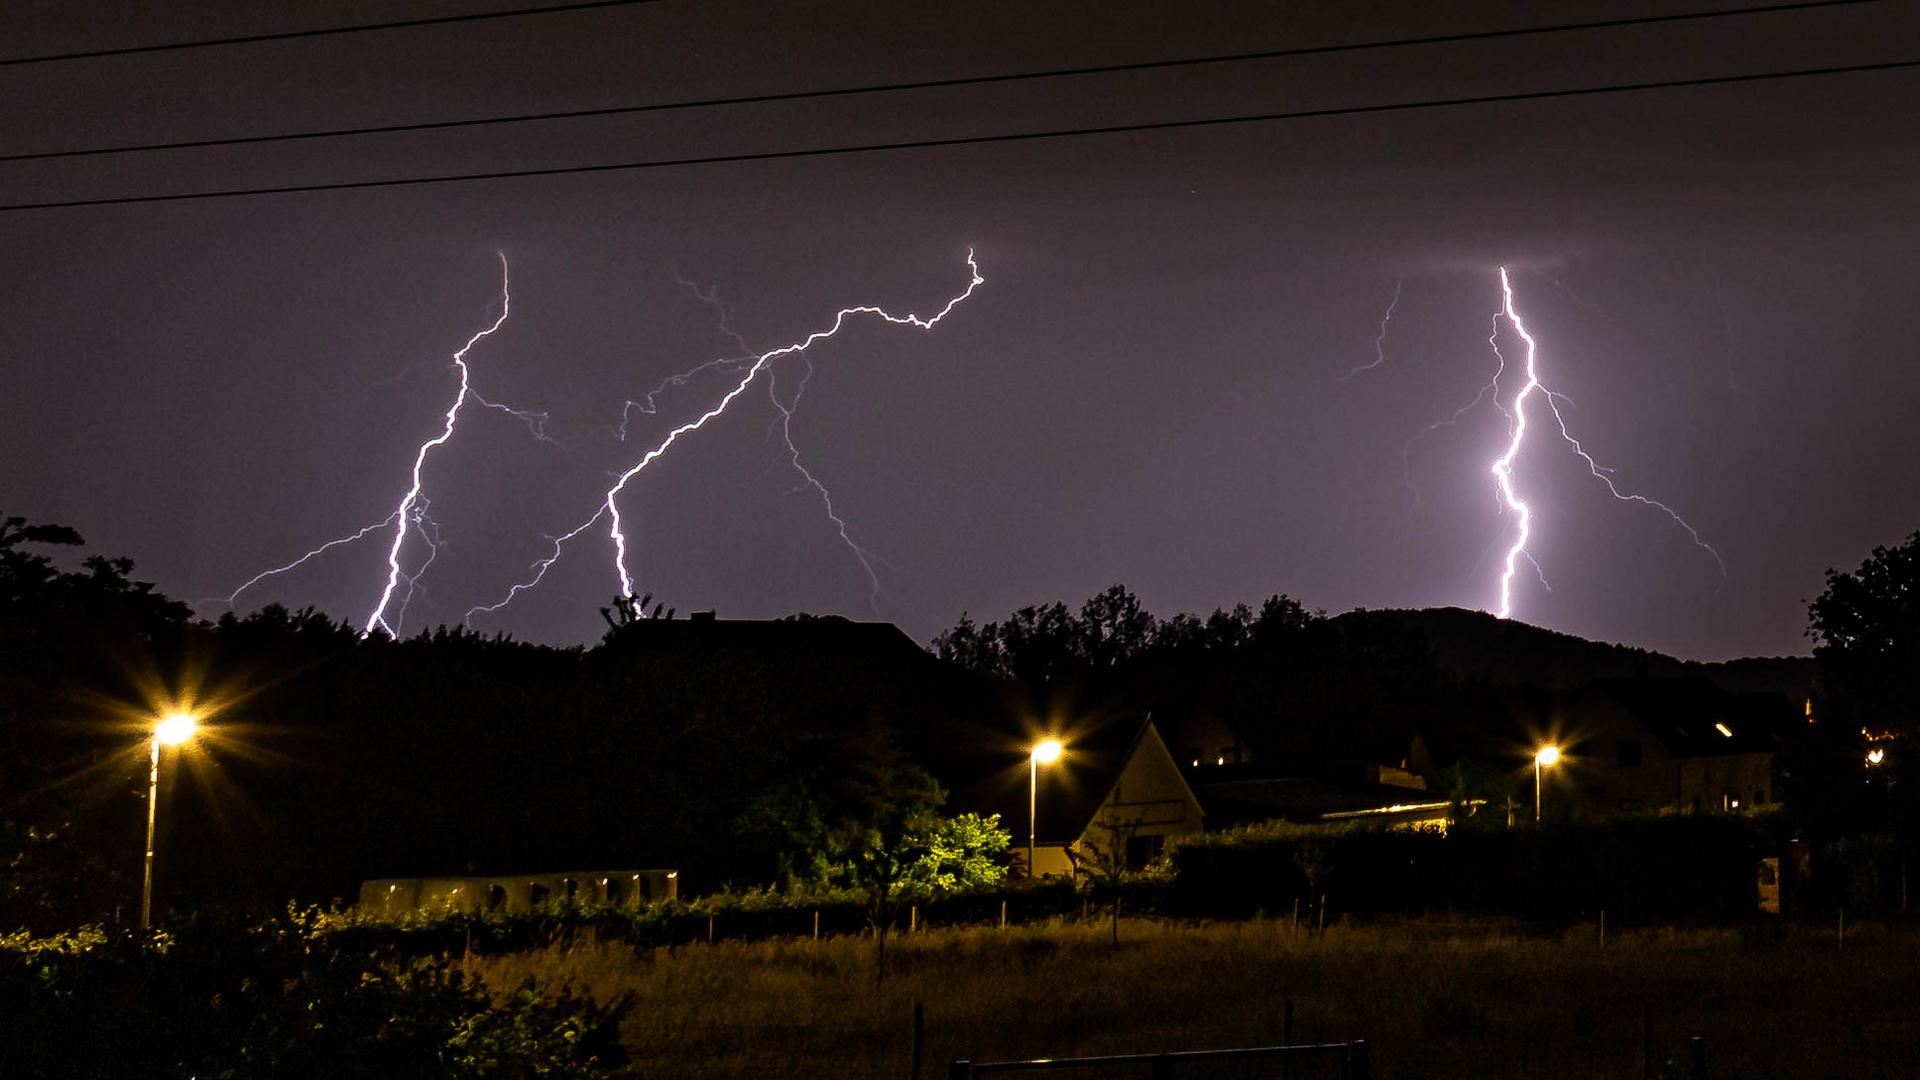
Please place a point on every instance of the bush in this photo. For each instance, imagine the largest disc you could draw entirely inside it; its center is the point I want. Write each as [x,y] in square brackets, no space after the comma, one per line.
[279,1000]
[1639,868]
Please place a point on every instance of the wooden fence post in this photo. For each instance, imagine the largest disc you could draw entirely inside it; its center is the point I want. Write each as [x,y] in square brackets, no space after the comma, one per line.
[709,929]
[1646,1043]
[1003,913]
[919,1035]
[816,924]
[1286,1038]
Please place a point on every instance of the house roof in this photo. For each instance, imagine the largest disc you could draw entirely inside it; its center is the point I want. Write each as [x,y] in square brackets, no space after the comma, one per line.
[1694,718]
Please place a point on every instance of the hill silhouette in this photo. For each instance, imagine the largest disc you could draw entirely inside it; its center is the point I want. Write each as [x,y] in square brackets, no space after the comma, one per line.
[1477,646]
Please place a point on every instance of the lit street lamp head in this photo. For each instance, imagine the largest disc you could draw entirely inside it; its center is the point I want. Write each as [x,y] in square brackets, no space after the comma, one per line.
[1047,751]
[175,728]
[1547,755]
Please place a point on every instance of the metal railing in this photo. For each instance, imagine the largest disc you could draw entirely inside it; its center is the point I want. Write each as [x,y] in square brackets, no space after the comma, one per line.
[1350,1056]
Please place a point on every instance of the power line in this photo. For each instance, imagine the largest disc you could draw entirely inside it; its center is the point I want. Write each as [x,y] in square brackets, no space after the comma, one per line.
[978,140]
[289,35]
[932,84]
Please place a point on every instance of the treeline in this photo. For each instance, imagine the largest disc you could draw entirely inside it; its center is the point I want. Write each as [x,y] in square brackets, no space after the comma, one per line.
[328,758]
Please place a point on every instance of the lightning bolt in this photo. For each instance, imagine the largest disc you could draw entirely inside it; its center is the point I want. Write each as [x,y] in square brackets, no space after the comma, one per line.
[1502,467]
[536,422]
[861,554]
[1380,339]
[609,507]
[411,514]
[429,532]
[784,425]
[234,596]
[402,513]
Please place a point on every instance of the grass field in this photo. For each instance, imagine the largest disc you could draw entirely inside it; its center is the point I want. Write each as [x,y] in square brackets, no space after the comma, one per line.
[1434,998]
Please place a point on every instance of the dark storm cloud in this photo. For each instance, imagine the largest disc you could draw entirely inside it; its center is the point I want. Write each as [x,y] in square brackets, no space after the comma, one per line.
[1146,389]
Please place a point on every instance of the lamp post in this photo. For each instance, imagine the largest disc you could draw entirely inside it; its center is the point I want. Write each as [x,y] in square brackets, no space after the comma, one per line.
[172,730]
[1045,752]
[1545,757]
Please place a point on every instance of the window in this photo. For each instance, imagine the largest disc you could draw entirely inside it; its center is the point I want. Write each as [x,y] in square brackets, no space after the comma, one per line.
[1141,850]
[496,898]
[1629,752]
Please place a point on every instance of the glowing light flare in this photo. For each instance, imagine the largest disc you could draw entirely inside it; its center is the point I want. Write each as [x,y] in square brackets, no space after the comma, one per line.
[1547,756]
[1048,751]
[401,517]
[175,728]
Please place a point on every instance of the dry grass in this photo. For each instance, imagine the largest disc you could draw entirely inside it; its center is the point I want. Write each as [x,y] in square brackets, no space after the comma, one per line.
[1435,998]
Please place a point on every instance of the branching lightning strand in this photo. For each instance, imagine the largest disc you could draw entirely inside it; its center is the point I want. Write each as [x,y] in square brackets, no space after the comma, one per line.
[400,517]
[609,504]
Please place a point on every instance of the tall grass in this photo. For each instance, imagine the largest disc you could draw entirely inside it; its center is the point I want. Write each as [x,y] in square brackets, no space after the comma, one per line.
[1436,998]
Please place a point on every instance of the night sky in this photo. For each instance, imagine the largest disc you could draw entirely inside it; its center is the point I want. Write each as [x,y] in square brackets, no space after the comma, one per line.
[1147,389]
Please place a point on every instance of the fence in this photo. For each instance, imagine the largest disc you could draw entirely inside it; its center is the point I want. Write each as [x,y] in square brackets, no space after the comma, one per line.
[1348,1058]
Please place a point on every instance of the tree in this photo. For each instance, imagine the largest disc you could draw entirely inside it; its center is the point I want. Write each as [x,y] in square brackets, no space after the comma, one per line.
[1866,632]
[886,823]
[959,853]
[73,643]
[1101,860]
[1048,644]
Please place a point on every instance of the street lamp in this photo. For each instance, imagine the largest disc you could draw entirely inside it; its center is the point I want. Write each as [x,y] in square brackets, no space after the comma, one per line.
[173,729]
[1045,752]
[1545,757]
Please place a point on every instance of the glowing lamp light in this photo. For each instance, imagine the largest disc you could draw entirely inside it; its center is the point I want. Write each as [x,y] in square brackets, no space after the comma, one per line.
[175,728]
[1876,756]
[1047,751]
[1547,755]
[1724,730]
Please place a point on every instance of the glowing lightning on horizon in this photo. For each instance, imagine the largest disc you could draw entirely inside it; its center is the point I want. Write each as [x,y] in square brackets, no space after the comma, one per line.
[609,505]
[1502,467]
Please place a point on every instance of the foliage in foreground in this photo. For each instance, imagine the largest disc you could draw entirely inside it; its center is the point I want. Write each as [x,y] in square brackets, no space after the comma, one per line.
[280,1000]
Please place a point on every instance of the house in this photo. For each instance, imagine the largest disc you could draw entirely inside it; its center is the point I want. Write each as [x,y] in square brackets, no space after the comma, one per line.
[518,892]
[1646,744]
[1115,792]
[1381,794]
